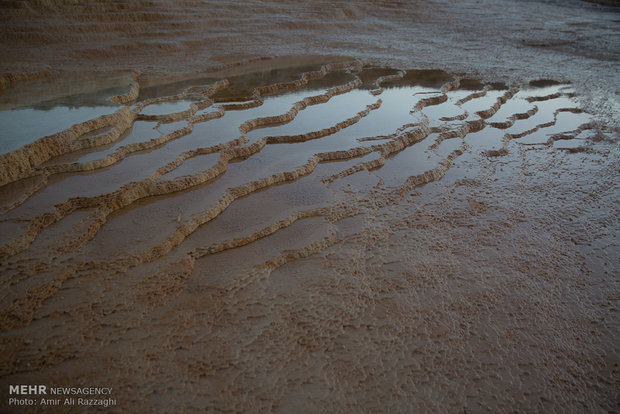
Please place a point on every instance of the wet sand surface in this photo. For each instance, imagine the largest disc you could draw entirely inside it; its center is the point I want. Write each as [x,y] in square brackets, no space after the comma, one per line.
[319,233]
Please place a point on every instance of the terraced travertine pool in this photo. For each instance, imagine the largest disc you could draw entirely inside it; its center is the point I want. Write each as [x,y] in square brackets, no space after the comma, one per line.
[283,223]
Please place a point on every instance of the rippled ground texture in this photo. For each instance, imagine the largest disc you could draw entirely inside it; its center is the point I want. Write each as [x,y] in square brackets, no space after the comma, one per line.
[328,237]
[320,236]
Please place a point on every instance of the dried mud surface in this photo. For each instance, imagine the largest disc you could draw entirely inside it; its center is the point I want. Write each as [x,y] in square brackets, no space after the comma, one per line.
[330,237]
[412,208]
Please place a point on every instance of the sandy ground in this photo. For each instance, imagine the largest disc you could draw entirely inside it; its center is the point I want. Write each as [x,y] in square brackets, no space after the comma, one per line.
[331,230]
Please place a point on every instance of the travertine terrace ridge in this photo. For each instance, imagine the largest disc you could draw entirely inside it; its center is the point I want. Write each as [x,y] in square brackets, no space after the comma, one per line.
[208,193]
[25,161]
[21,163]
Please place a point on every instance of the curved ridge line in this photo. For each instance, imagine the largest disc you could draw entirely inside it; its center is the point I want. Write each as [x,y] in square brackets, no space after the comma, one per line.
[232,194]
[431,175]
[10,317]
[556,111]
[545,124]
[189,181]
[131,192]
[474,95]
[298,106]
[208,91]
[195,119]
[22,162]
[282,139]
[262,233]
[460,132]
[177,162]
[387,78]
[106,204]
[403,140]
[176,116]
[544,97]
[450,85]
[256,123]
[400,140]
[46,219]
[264,270]
[245,105]
[438,99]
[487,113]
[460,117]
[433,100]
[121,152]
[510,121]
[171,186]
[509,137]
[132,94]
[182,269]
[188,93]
[21,200]
[306,76]
[362,166]
[563,135]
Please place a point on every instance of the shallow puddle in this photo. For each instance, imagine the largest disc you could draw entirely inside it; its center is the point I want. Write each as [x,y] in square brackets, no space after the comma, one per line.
[399,124]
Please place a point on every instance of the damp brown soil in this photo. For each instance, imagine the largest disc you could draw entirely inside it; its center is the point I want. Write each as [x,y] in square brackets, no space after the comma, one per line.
[328,237]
